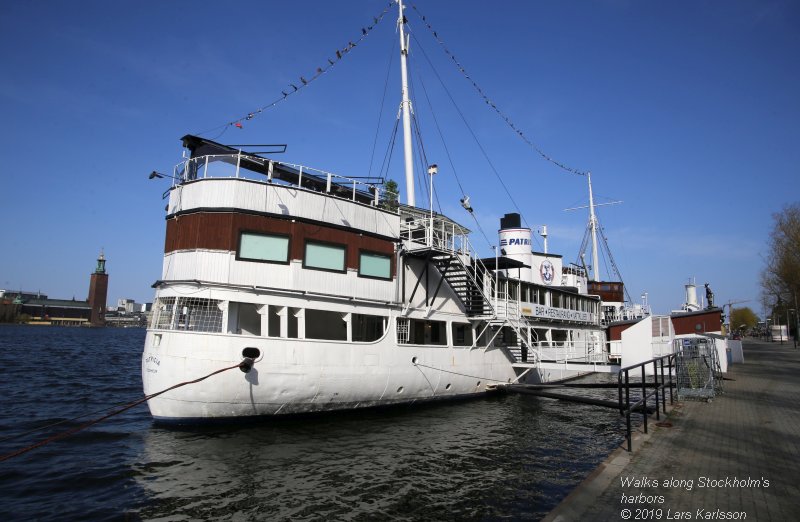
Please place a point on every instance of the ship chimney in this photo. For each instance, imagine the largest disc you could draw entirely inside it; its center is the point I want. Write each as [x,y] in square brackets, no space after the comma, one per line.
[515,243]
[691,296]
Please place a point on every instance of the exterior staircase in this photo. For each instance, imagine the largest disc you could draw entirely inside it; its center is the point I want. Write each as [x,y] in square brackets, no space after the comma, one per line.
[466,280]
[447,248]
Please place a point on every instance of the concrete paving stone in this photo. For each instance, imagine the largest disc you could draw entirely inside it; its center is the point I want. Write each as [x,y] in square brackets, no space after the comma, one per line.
[752,430]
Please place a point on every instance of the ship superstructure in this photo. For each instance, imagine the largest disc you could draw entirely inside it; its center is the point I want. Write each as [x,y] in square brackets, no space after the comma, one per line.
[344,298]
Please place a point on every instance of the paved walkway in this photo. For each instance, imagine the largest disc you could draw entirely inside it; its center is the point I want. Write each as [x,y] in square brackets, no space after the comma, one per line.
[738,457]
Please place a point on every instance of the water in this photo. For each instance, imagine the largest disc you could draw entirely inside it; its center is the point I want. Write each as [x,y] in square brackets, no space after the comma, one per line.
[512,457]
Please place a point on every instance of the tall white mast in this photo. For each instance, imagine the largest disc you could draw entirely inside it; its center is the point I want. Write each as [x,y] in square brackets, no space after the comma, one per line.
[593,228]
[406,108]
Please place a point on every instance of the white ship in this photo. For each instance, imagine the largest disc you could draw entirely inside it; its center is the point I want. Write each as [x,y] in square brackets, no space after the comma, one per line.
[343,298]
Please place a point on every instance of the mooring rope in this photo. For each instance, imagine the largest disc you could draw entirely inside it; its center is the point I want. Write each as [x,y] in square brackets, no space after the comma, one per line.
[456,373]
[245,366]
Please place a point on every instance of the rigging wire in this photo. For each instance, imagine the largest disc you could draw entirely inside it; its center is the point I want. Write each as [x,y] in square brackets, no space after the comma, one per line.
[450,159]
[614,264]
[472,133]
[491,104]
[380,111]
[320,71]
[387,156]
[245,365]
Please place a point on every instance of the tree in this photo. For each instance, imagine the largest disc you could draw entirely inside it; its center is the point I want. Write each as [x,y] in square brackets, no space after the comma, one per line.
[743,316]
[391,193]
[780,281]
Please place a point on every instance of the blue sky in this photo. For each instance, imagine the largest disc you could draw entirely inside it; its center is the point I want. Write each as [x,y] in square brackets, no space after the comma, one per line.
[687,111]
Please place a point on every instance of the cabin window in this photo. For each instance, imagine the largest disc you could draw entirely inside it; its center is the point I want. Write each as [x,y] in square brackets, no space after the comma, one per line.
[187,313]
[368,328]
[322,324]
[371,264]
[559,337]
[244,319]
[462,334]
[539,336]
[403,330]
[267,248]
[293,322]
[163,313]
[324,256]
[274,321]
[425,332]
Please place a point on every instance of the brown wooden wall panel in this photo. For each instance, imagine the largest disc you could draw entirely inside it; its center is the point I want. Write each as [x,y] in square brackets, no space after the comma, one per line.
[221,230]
[615,331]
[709,321]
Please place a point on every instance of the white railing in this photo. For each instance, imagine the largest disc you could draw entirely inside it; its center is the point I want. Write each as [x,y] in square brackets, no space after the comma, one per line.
[572,351]
[230,166]
[447,236]
[661,348]
[615,349]
[442,234]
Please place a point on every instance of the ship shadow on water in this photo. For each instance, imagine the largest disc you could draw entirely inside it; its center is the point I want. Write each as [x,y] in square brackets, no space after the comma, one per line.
[494,457]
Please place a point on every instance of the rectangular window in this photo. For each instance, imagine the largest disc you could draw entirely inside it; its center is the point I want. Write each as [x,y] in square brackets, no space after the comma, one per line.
[375,265]
[268,248]
[244,318]
[187,313]
[428,332]
[274,322]
[323,324]
[163,313]
[293,319]
[324,256]
[367,328]
[462,334]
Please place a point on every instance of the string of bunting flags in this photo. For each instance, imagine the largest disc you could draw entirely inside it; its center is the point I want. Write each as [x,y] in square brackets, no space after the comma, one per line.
[303,81]
[491,104]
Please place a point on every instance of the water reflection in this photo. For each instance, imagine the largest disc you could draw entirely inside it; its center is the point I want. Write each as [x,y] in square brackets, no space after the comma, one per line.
[500,457]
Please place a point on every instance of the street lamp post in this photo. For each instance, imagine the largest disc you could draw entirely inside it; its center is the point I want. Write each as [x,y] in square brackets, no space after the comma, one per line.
[787,326]
[796,320]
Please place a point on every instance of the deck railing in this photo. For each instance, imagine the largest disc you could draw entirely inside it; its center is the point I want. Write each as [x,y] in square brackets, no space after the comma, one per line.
[230,166]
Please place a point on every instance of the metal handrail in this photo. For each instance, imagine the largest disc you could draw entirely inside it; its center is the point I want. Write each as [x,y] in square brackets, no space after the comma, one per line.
[642,402]
[452,238]
[201,164]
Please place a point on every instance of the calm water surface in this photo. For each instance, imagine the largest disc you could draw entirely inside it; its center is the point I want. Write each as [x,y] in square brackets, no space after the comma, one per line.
[504,457]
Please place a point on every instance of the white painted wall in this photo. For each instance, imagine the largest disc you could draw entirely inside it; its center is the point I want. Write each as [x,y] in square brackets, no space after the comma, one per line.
[279,199]
[737,354]
[637,343]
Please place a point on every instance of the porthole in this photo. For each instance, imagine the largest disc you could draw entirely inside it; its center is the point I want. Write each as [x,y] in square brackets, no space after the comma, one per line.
[479,383]
[400,389]
[413,360]
[448,386]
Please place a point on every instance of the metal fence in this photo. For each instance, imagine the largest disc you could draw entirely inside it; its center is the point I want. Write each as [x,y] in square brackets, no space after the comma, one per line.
[187,313]
[698,371]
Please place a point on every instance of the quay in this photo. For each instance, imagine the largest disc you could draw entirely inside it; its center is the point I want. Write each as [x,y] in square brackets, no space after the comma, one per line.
[737,457]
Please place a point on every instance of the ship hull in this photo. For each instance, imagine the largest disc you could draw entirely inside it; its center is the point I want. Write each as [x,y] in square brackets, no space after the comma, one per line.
[292,377]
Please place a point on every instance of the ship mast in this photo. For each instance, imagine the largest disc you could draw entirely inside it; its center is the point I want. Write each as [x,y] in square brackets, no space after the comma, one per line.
[593,228]
[406,108]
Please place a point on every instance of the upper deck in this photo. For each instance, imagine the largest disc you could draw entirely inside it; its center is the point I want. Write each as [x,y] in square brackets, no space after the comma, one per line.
[220,178]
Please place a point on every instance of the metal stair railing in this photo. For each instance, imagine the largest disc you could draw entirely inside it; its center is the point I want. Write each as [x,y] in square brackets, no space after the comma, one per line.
[446,237]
